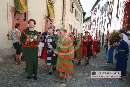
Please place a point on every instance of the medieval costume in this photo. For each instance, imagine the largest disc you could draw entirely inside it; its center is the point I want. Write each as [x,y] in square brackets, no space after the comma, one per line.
[89,47]
[48,51]
[98,47]
[44,50]
[79,49]
[65,51]
[85,50]
[30,51]
[85,43]
[121,56]
[56,38]
[95,47]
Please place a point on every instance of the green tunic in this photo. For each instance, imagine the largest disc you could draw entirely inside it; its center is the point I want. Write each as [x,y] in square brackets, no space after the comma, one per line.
[30,51]
[65,51]
[78,48]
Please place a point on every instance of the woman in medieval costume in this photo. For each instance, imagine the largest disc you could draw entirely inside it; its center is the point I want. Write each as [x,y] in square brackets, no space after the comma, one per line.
[30,49]
[65,51]
[50,45]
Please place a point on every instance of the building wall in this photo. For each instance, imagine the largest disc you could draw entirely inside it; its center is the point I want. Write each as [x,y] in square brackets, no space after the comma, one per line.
[38,11]
[105,21]
[87,26]
[126,19]
[4,25]
[117,17]
[94,16]
[70,18]
[58,13]
[103,15]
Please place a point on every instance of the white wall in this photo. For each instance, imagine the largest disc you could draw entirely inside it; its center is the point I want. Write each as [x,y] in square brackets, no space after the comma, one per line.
[70,17]
[58,8]
[117,22]
[37,11]
[4,25]
[114,18]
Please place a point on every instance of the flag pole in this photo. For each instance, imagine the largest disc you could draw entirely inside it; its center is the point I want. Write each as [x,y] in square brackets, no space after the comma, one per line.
[63,11]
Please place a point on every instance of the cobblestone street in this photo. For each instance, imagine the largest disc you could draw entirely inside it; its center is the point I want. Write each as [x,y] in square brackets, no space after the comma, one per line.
[12,75]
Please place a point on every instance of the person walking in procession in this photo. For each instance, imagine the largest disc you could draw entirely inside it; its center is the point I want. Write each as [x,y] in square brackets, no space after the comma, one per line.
[30,49]
[89,46]
[65,51]
[78,48]
[106,48]
[57,35]
[110,54]
[50,45]
[85,49]
[95,47]
[122,51]
[16,34]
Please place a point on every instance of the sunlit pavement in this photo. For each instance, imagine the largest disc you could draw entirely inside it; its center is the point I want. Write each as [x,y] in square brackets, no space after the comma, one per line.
[12,75]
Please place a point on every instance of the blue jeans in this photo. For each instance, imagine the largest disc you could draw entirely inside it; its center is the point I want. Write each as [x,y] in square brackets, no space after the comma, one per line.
[110,55]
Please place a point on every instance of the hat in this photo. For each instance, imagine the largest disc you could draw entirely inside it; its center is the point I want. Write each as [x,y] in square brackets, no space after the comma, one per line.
[63,30]
[86,32]
[123,31]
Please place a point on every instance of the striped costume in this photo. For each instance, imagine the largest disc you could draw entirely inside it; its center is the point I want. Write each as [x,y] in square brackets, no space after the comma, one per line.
[50,45]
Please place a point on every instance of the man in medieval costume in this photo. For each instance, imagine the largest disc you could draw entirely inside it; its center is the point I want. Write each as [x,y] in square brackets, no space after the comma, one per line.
[30,49]
[95,47]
